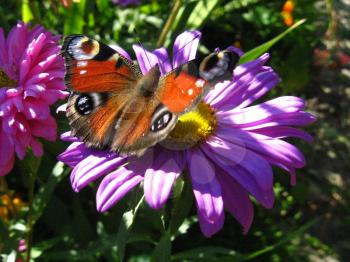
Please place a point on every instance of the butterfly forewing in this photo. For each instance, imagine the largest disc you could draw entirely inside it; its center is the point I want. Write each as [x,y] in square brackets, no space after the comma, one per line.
[92,66]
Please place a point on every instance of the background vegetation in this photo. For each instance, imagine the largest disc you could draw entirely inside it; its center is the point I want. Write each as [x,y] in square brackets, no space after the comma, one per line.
[308,222]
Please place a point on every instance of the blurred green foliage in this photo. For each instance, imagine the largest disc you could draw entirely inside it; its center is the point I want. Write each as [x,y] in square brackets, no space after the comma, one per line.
[67,226]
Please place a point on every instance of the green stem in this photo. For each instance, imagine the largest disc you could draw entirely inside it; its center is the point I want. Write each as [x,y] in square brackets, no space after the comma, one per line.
[30,221]
[169,22]
[30,216]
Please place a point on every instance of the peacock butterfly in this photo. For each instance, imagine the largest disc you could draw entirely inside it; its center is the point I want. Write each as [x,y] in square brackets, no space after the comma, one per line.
[113,106]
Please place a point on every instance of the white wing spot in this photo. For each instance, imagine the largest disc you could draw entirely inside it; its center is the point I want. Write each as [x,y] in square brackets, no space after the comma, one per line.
[190,91]
[82,72]
[82,63]
[200,83]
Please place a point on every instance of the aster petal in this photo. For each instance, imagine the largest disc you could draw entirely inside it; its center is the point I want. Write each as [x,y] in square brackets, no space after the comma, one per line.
[236,200]
[207,191]
[277,149]
[245,90]
[146,59]
[114,187]
[255,115]
[67,136]
[185,47]
[283,132]
[75,153]
[299,118]
[163,60]
[159,179]
[121,51]
[209,227]
[92,167]
[61,108]
[264,195]
[226,153]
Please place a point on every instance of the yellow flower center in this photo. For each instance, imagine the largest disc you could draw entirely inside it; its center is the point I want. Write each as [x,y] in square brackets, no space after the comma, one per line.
[192,128]
[6,81]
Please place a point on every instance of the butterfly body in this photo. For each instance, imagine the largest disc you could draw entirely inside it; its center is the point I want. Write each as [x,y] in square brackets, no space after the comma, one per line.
[113,106]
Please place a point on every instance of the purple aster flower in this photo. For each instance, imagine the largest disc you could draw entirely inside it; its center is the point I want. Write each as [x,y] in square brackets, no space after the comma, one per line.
[227,144]
[31,79]
[126,2]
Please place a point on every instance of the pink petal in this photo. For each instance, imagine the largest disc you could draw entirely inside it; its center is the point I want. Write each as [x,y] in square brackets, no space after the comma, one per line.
[37,148]
[6,149]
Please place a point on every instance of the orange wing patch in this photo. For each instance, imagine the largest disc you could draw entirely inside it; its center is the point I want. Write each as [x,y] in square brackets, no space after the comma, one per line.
[99,76]
[178,92]
[102,119]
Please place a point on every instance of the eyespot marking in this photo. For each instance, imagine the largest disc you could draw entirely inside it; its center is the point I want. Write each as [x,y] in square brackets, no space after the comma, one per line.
[83,48]
[161,119]
[84,104]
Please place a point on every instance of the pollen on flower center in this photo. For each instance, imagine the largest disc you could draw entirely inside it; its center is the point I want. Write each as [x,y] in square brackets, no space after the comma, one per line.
[192,128]
[5,81]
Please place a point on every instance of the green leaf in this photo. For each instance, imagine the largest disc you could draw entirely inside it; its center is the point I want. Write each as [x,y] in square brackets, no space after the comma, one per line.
[75,20]
[283,241]
[27,14]
[182,207]
[10,257]
[206,252]
[162,252]
[257,51]
[192,15]
[125,228]
[201,13]
[44,194]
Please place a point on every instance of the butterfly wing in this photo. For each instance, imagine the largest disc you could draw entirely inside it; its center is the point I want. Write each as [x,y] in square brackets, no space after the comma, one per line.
[102,81]
[183,88]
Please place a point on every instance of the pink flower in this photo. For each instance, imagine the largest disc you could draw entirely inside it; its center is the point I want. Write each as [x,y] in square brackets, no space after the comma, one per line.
[31,79]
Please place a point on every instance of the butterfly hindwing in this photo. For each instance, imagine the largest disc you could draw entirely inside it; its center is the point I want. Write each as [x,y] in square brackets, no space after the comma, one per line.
[185,86]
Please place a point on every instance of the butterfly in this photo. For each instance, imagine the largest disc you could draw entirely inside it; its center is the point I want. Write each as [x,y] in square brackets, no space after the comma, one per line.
[113,106]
